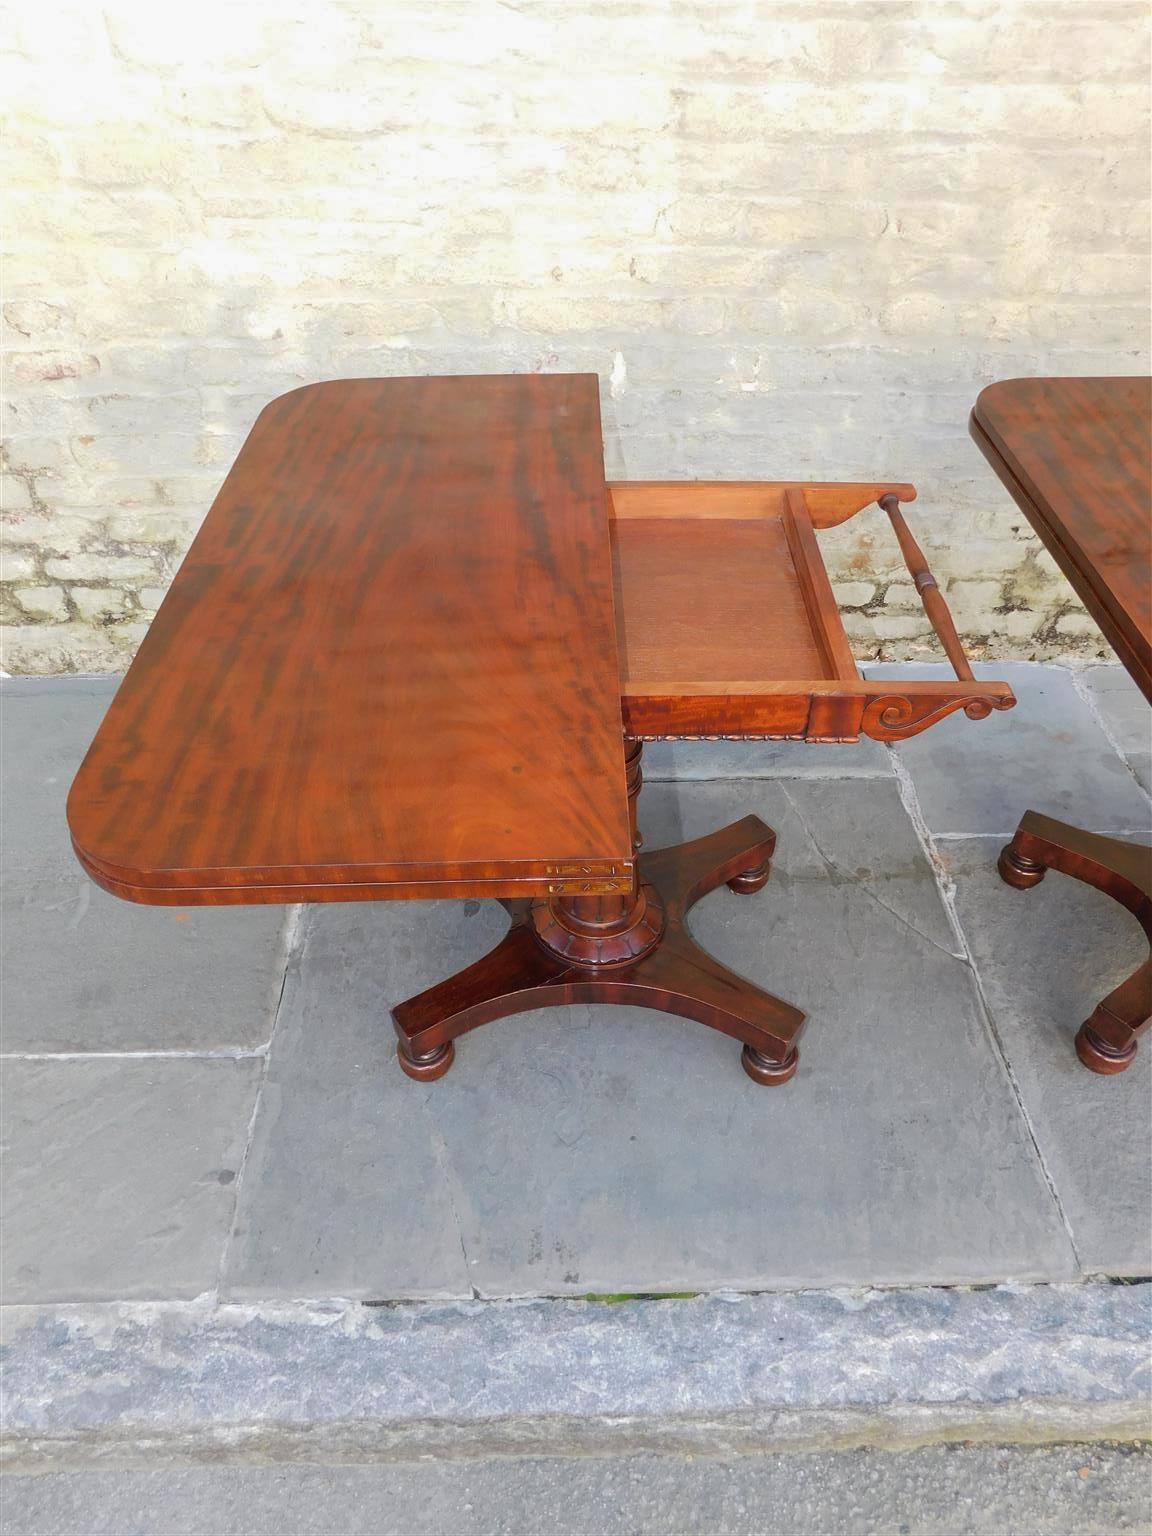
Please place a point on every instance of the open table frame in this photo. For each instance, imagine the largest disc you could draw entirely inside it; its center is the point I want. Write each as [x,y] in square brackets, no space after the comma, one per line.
[415,651]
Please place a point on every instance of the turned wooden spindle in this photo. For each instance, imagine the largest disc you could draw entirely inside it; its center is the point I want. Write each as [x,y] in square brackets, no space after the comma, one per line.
[929,589]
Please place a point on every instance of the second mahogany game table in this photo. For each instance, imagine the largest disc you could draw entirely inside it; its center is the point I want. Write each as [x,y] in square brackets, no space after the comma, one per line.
[1076,455]
[414,652]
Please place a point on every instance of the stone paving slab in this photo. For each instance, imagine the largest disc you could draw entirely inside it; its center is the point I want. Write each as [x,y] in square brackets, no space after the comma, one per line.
[1141,766]
[1125,711]
[583,1149]
[345,1191]
[1127,717]
[119,1175]
[1045,958]
[1048,754]
[84,971]
[716,1374]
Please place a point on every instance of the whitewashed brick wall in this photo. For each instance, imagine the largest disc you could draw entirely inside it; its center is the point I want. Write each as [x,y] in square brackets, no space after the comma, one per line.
[792,239]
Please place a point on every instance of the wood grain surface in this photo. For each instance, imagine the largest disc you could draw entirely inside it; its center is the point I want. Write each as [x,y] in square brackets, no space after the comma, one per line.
[711,598]
[387,666]
[1076,455]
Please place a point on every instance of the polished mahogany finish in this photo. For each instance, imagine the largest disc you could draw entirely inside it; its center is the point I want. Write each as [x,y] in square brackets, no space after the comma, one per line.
[1106,1042]
[414,652]
[387,666]
[1075,455]
[729,626]
[606,950]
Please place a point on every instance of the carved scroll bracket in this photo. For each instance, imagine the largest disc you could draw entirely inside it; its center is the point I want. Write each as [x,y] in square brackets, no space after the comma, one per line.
[894,716]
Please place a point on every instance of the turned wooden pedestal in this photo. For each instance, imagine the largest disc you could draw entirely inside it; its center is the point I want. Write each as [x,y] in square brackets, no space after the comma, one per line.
[1106,1042]
[631,948]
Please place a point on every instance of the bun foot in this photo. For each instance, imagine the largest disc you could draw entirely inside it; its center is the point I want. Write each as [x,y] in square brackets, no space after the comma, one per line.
[428,1067]
[1016,870]
[751,881]
[762,1069]
[1098,1056]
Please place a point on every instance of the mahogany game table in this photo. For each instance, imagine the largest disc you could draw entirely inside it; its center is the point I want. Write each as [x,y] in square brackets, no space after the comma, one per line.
[414,652]
[1076,454]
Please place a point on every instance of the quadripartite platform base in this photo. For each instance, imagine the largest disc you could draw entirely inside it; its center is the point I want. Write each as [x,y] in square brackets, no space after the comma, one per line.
[618,949]
[1105,1043]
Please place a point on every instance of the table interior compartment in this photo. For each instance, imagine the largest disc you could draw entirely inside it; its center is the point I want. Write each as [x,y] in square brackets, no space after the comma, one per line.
[717,584]
[711,599]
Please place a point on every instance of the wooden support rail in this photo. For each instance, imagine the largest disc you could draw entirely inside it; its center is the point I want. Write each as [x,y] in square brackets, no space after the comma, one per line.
[927,586]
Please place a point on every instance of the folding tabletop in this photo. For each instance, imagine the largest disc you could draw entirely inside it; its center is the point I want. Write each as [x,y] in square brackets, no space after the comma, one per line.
[414,652]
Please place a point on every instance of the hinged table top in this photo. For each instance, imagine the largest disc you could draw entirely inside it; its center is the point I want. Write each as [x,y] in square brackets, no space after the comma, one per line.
[387,665]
